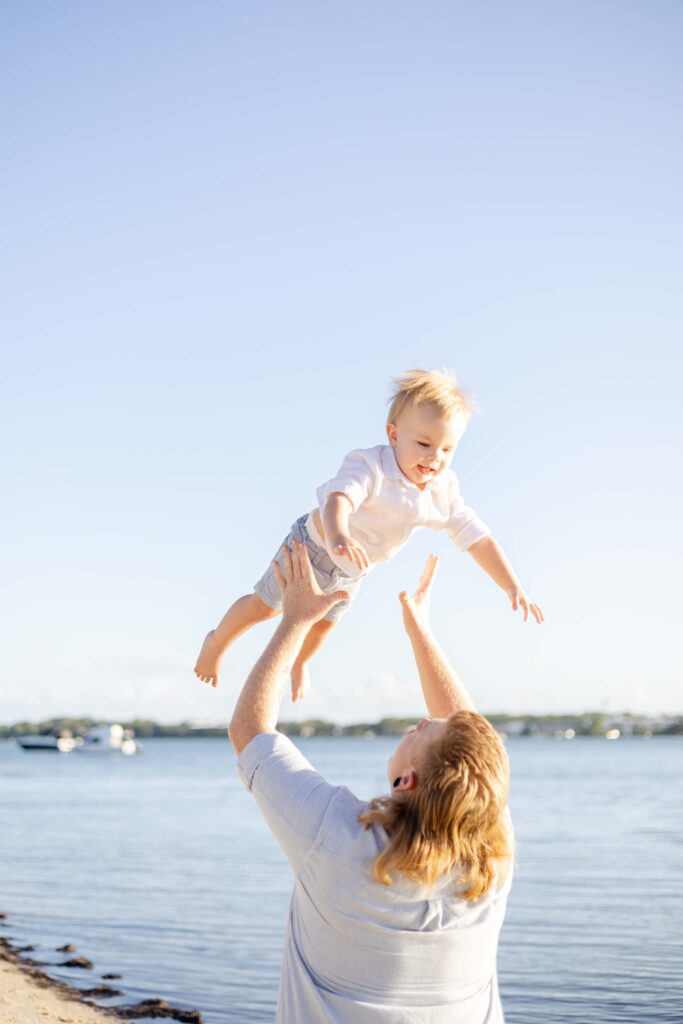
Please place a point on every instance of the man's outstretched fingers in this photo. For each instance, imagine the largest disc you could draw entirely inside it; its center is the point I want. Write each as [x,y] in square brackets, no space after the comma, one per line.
[296,560]
[340,595]
[287,571]
[279,578]
[306,567]
[429,572]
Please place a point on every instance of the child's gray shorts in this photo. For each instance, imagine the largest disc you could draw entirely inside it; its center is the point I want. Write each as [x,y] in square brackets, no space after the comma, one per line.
[329,576]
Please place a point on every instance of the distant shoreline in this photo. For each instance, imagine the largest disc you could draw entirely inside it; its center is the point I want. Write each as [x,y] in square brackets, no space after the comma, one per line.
[589,723]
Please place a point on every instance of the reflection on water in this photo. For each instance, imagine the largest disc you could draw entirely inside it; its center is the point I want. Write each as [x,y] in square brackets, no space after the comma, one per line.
[159,867]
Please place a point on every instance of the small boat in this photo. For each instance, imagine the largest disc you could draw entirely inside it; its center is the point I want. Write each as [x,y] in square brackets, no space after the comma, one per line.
[51,741]
[108,739]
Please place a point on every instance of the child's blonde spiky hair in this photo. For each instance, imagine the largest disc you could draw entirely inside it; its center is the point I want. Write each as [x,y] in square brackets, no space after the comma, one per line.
[430,387]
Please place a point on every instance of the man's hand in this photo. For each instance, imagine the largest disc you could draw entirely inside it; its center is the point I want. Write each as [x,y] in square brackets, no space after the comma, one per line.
[344,546]
[416,608]
[519,599]
[302,599]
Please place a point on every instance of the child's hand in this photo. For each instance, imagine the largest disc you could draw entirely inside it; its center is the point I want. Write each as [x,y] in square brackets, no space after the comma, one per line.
[520,600]
[346,547]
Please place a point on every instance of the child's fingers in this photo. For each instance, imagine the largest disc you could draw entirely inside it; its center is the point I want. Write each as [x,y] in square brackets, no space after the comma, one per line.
[537,613]
[525,607]
[346,551]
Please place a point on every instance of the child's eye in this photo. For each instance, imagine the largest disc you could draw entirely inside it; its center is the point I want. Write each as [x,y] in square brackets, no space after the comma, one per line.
[423,444]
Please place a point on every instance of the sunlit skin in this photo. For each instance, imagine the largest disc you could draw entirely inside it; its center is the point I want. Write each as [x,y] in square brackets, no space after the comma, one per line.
[403,767]
[424,442]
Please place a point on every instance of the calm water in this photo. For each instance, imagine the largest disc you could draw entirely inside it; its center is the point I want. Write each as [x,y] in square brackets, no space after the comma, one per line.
[159,867]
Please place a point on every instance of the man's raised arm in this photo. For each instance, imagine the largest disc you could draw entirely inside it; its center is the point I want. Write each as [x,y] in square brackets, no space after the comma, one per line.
[443,692]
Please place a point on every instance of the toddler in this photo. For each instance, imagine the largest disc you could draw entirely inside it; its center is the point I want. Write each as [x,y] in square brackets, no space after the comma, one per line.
[367,512]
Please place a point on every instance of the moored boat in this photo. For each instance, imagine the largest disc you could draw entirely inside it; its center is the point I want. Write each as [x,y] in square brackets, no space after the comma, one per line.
[108,739]
[60,744]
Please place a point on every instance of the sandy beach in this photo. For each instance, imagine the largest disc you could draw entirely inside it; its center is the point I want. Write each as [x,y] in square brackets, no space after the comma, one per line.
[27,998]
[29,995]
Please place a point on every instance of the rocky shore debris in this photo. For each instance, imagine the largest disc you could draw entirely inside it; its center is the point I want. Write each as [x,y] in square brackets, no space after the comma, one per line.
[78,961]
[157,1009]
[110,977]
[149,1009]
[101,992]
[69,948]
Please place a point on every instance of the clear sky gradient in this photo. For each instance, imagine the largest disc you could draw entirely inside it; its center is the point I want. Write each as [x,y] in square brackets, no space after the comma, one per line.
[227,225]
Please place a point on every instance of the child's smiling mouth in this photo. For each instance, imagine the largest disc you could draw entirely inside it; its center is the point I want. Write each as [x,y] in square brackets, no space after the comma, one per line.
[425,470]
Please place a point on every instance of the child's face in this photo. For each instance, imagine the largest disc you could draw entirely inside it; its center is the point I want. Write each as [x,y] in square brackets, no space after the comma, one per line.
[424,442]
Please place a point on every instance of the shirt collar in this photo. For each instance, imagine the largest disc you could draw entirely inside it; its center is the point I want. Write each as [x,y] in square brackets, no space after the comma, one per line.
[391,468]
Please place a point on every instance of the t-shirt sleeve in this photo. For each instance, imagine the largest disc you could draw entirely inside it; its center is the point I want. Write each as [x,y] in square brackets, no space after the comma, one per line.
[464,526]
[355,479]
[505,882]
[291,795]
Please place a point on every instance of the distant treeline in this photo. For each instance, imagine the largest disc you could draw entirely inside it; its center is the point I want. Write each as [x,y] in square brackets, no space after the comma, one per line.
[592,723]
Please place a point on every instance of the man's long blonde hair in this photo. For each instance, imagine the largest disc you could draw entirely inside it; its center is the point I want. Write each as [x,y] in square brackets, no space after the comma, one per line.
[454,819]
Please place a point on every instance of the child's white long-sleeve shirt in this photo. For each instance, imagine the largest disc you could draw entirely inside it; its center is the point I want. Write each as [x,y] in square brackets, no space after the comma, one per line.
[388,508]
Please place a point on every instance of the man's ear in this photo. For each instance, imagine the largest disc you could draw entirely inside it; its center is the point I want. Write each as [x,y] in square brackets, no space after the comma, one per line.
[406,782]
[391,433]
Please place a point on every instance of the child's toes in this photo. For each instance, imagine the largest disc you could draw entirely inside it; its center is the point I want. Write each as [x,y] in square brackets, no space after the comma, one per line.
[301,683]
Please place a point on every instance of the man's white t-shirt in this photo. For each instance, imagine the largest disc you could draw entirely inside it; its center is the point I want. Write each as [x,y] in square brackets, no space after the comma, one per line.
[356,951]
[388,507]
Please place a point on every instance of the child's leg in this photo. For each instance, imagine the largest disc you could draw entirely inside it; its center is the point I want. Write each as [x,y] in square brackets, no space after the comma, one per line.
[314,640]
[243,614]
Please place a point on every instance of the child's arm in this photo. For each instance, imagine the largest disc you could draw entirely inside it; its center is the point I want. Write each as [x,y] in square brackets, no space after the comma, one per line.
[335,519]
[488,554]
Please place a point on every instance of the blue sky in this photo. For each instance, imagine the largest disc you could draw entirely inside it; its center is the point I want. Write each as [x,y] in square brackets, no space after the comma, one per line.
[229,225]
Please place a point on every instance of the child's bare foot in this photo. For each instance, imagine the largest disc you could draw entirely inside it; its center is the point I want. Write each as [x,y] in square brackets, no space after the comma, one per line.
[209,660]
[301,681]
